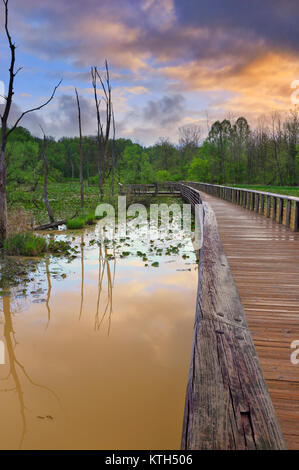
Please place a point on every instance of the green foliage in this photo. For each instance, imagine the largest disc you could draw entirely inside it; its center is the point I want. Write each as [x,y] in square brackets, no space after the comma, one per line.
[136,167]
[155,264]
[25,244]
[94,180]
[76,223]
[58,246]
[233,153]
[199,170]
[90,218]
[163,175]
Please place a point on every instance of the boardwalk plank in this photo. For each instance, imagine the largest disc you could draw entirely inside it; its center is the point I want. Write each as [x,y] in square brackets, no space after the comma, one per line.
[264,260]
[227,404]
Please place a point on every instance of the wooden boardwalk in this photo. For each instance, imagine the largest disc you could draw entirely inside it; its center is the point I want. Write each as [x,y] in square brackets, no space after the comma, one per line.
[264,260]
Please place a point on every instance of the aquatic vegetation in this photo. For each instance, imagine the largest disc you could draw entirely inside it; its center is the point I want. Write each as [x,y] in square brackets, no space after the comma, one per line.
[126,253]
[76,223]
[25,244]
[90,219]
[29,244]
[14,271]
[59,246]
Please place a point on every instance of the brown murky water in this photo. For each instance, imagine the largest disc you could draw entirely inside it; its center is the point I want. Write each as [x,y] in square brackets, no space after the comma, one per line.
[97,353]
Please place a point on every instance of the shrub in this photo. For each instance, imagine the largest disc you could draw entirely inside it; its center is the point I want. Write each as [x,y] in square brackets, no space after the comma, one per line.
[76,223]
[90,218]
[94,180]
[25,244]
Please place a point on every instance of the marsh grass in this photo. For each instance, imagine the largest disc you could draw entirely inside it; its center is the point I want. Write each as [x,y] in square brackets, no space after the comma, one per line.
[25,244]
[90,218]
[76,223]
[29,244]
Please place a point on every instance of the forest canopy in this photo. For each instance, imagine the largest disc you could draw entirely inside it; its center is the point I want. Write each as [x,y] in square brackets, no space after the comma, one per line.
[232,153]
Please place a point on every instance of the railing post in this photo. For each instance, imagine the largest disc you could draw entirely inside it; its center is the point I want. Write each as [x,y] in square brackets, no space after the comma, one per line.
[249,200]
[268,206]
[252,201]
[280,211]
[288,213]
[296,221]
[257,203]
[274,208]
[262,204]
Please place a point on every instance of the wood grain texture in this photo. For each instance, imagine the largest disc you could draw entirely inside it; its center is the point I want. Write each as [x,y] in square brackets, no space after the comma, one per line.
[227,402]
[264,260]
[279,206]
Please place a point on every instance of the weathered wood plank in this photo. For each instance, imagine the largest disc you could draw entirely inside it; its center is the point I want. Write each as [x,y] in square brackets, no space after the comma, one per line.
[264,260]
[227,402]
[250,200]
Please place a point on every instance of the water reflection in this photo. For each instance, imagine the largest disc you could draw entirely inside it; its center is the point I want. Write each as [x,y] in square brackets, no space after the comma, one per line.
[17,371]
[49,291]
[121,389]
[104,267]
[82,275]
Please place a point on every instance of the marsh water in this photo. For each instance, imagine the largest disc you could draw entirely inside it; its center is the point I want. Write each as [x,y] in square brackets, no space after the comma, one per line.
[97,347]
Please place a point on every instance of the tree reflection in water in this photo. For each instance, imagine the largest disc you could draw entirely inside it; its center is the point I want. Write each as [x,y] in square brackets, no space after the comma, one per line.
[17,371]
[104,267]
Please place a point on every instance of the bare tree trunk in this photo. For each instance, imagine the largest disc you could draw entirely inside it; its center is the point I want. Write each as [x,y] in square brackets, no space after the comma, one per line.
[99,130]
[3,204]
[46,173]
[113,153]
[80,150]
[4,120]
[103,137]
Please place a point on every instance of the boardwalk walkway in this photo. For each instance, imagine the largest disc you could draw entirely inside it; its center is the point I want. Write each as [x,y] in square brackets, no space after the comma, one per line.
[264,260]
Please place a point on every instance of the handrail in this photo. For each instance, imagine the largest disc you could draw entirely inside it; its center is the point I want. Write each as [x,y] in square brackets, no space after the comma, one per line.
[228,405]
[148,188]
[267,204]
[282,196]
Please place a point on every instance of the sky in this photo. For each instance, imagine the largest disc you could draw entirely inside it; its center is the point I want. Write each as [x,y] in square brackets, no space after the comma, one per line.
[173,63]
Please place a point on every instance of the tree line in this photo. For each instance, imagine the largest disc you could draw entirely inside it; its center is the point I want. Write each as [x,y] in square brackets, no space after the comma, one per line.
[232,152]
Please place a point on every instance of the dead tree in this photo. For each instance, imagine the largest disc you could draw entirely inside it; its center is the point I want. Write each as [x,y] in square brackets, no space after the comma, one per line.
[46,173]
[80,150]
[100,137]
[113,152]
[5,131]
[103,134]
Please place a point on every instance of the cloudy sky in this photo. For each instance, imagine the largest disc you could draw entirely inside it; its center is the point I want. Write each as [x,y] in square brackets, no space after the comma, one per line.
[173,62]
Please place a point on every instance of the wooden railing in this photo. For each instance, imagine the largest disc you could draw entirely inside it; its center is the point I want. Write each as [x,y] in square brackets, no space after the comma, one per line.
[228,405]
[282,209]
[167,187]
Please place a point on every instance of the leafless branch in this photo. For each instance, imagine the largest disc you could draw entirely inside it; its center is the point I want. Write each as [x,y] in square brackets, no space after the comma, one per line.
[33,109]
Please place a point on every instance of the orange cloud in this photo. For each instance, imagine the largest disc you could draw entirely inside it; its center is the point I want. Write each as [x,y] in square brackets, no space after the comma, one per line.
[259,86]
